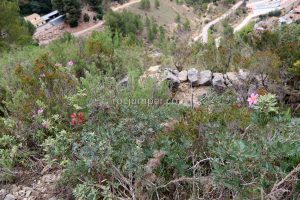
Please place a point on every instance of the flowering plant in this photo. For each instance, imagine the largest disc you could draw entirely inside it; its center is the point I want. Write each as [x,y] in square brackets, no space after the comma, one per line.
[265,107]
[252,100]
[77,118]
[70,63]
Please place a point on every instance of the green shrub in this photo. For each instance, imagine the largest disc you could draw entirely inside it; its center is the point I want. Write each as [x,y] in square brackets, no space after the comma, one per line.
[86,17]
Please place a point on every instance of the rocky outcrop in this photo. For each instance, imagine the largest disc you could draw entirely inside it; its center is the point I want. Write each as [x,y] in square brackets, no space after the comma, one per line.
[197,78]
[38,188]
[189,85]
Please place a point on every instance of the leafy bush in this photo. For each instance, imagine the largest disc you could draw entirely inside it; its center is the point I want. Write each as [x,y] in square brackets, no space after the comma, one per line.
[86,17]
[265,109]
[126,23]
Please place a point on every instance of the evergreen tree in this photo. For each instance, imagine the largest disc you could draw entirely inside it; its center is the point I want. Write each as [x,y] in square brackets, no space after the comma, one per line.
[58,5]
[71,8]
[97,6]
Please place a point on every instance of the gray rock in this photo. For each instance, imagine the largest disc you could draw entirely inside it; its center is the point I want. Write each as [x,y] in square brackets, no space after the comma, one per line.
[10,197]
[173,80]
[28,193]
[252,89]
[183,76]
[21,193]
[193,76]
[124,81]
[205,78]
[244,75]
[261,80]
[3,193]
[173,71]
[218,81]
[232,79]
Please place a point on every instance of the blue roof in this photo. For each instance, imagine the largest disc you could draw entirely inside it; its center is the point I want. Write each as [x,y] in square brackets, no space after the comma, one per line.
[58,20]
[46,17]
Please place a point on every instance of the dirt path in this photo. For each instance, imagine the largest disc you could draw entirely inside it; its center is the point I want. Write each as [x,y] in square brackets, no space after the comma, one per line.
[83,32]
[101,23]
[245,22]
[204,34]
[125,5]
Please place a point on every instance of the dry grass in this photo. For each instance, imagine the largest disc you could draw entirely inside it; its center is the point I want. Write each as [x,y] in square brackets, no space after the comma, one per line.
[165,15]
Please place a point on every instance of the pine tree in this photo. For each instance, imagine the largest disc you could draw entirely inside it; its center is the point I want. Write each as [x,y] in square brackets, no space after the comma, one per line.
[73,11]
[58,5]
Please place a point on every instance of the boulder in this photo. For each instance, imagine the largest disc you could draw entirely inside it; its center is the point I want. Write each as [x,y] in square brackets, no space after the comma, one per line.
[192,75]
[183,76]
[3,193]
[232,79]
[10,197]
[205,78]
[218,81]
[173,80]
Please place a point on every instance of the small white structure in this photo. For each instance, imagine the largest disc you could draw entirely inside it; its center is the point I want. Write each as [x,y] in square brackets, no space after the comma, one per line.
[35,19]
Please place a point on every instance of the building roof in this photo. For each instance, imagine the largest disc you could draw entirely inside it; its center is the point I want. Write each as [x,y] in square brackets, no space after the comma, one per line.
[35,19]
[49,15]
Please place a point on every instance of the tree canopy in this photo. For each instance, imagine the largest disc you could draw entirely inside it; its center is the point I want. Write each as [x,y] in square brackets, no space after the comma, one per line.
[12,31]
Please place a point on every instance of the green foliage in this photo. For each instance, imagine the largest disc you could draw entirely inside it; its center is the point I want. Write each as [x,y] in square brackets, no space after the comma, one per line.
[86,17]
[126,23]
[33,6]
[152,29]
[246,31]
[97,6]
[265,109]
[72,9]
[295,69]
[85,192]
[12,32]
[187,25]
[157,4]
[145,5]
[8,155]
[132,143]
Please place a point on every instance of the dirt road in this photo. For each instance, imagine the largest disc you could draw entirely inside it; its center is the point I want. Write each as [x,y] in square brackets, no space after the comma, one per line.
[125,5]
[101,23]
[204,34]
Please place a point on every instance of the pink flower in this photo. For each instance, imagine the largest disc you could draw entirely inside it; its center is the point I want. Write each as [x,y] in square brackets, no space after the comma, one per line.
[252,100]
[70,63]
[40,111]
